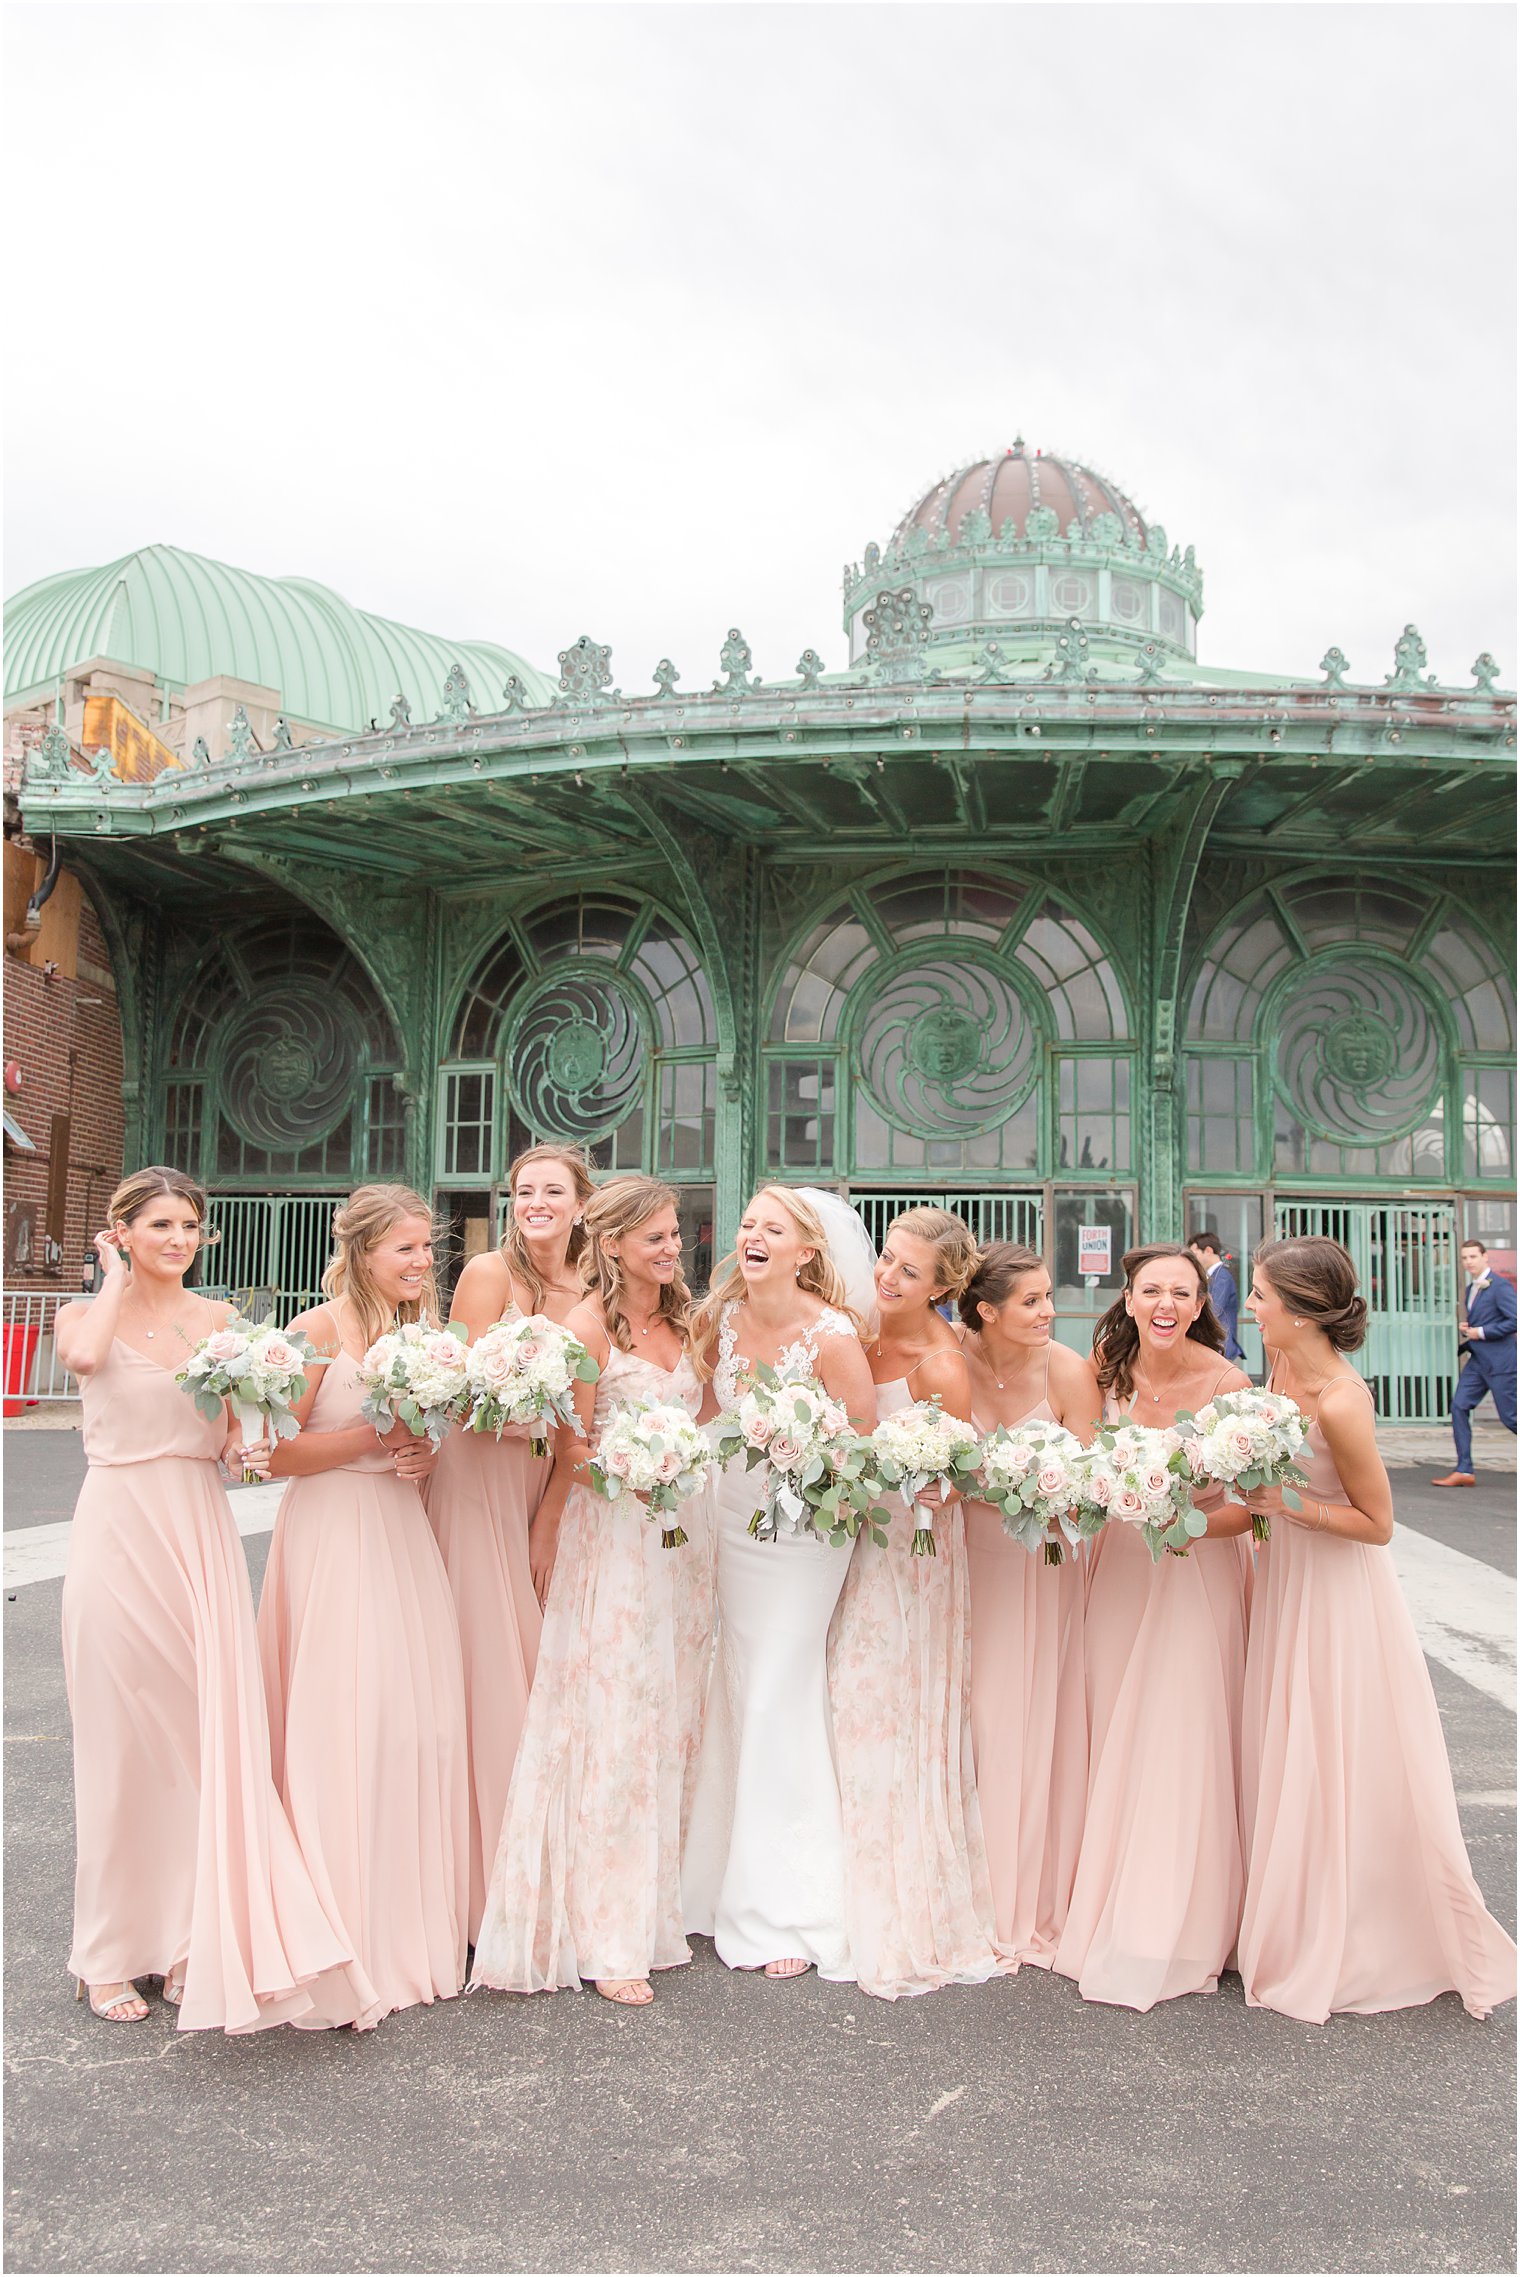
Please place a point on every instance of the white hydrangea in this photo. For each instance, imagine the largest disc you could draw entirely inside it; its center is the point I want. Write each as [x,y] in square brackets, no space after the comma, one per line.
[654,1449]
[917,1448]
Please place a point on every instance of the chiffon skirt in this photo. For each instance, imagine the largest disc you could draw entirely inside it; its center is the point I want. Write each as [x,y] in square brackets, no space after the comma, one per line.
[918,1900]
[184,1852]
[1155,1906]
[587,1878]
[366,1712]
[479,1500]
[1028,1729]
[1359,1895]
[764,1867]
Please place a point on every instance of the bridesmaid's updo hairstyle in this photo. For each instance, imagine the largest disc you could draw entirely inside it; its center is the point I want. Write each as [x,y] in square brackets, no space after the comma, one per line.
[820,1276]
[1316,1280]
[1002,1268]
[514,1246]
[614,1211]
[134,1194]
[1116,1339]
[956,1256]
[358,1225]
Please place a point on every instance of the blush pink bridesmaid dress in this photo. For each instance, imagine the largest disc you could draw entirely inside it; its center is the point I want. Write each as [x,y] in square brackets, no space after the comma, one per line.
[1359,1895]
[1028,1721]
[480,1500]
[366,1711]
[1155,1905]
[185,1855]
[586,1884]
[918,1904]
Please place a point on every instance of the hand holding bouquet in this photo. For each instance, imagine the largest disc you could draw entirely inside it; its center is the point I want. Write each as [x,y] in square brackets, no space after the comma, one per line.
[416,1376]
[261,1370]
[1034,1474]
[653,1449]
[1247,1440]
[1145,1478]
[919,1447]
[524,1371]
[814,1459]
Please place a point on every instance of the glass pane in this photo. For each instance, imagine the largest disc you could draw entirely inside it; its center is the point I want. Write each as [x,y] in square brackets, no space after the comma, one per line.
[1488,1122]
[1094,1114]
[800,1114]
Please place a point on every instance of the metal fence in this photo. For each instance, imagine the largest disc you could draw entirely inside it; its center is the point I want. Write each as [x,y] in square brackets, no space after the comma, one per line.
[32,1372]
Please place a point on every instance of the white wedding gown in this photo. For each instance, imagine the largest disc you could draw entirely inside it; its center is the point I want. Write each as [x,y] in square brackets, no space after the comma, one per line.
[763,1873]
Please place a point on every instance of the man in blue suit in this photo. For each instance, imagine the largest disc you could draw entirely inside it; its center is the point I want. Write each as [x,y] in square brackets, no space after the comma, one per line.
[1223,1294]
[1488,1336]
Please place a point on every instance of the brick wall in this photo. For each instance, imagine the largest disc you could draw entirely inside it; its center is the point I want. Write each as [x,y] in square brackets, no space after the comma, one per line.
[63,1031]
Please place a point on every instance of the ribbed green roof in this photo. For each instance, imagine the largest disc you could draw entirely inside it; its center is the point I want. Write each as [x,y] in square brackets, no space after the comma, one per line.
[186,619]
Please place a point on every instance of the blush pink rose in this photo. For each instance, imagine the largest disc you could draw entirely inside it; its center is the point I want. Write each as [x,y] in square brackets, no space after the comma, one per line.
[1100,1489]
[223,1344]
[619,1463]
[1051,1479]
[1127,1505]
[282,1357]
[786,1454]
[762,1431]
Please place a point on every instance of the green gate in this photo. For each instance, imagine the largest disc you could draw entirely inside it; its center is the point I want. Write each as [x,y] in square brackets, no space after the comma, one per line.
[1406,1259]
[272,1251]
[995,1215]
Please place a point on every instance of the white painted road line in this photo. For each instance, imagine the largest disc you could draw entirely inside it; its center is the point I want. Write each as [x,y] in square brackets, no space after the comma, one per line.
[1463,1610]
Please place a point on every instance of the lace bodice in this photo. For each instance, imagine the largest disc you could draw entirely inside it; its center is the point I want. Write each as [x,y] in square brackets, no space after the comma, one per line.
[629,1376]
[792,1362]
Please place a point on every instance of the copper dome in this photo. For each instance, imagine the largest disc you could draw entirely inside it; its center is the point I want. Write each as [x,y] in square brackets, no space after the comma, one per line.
[1007,488]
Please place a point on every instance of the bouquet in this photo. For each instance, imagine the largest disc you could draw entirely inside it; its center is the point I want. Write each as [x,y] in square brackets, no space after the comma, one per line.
[525,1371]
[261,1370]
[1035,1475]
[1249,1439]
[652,1448]
[1144,1477]
[415,1376]
[814,1459]
[916,1448]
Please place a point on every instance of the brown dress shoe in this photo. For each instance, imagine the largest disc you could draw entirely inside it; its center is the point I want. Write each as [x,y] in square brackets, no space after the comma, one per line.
[1455,1478]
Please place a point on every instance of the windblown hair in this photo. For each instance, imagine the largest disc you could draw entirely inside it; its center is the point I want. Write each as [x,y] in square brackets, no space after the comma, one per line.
[134,1194]
[820,1276]
[1317,1280]
[956,1256]
[1002,1268]
[358,1225]
[1116,1339]
[614,1211]
[514,1247]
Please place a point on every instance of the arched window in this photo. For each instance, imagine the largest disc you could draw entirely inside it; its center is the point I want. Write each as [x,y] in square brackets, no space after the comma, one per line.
[280,1066]
[944,1023]
[590,1020]
[1354,1030]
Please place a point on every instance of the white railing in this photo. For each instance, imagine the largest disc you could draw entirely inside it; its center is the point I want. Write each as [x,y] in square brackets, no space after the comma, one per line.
[32,1371]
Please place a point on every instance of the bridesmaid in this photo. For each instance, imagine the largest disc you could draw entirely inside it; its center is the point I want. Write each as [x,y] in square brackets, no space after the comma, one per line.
[918,1898]
[587,1877]
[1359,1894]
[1156,1901]
[1028,1704]
[485,1490]
[359,1638]
[187,1869]
[764,1867]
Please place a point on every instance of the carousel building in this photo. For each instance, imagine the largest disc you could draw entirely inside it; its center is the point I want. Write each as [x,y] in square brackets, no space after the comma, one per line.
[1026,911]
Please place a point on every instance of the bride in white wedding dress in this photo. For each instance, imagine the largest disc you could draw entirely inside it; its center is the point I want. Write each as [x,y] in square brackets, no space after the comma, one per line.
[764,1861]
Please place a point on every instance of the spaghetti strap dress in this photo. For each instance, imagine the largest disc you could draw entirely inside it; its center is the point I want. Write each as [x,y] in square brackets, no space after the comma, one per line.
[586,1882]
[917,1895]
[1359,1895]
[480,1499]
[185,1855]
[366,1712]
[1028,1720]
[763,1874]
[1155,1906]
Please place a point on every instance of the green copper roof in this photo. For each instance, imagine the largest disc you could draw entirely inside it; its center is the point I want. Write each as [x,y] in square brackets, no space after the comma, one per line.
[187,619]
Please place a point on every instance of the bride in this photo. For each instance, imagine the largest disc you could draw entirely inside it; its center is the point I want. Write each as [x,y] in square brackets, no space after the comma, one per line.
[764,1864]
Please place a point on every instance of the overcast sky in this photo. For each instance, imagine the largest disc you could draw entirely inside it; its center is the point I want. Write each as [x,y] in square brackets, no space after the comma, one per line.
[523,322]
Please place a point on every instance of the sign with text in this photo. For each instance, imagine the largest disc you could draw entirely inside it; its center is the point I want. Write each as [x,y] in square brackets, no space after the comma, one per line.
[1095,1251]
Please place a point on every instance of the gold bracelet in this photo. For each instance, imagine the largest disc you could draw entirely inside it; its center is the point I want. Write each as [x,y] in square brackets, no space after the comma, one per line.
[1323,1524]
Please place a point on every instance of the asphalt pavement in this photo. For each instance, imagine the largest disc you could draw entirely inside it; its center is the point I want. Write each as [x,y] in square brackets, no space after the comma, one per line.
[738,2124]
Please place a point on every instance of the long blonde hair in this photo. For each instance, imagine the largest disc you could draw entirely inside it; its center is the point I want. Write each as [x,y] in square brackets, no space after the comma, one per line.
[614,1211]
[820,1276]
[358,1224]
[514,1247]
[956,1256]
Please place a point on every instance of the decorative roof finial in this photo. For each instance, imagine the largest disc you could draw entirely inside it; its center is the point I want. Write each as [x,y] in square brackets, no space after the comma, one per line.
[736,657]
[457,707]
[1409,661]
[585,668]
[1335,666]
[1485,672]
